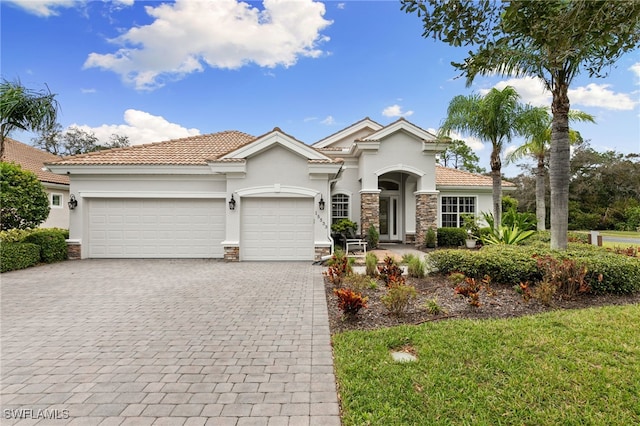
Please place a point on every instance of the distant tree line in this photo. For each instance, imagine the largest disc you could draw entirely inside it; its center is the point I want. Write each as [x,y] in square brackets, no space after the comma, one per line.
[74,141]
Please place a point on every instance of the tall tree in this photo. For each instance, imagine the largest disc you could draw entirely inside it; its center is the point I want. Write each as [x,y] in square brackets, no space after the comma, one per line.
[537,132]
[553,40]
[75,141]
[24,109]
[459,155]
[494,118]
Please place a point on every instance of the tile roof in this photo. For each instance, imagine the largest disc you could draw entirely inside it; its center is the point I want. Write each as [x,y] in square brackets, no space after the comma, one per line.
[194,150]
[32,159]
[446,176]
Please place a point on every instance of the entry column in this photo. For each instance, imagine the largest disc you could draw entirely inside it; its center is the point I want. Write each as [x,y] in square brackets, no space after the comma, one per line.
[369,211]
[426,214]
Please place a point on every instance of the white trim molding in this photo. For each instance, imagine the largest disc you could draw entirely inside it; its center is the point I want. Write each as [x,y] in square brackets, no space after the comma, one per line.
[399,168]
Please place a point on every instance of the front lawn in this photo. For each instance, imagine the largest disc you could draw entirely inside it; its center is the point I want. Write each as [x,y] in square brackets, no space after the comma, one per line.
[563,367]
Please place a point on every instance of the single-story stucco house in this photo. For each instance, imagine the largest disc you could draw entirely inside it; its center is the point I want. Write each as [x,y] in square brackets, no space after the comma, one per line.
[235,196]
[56,186]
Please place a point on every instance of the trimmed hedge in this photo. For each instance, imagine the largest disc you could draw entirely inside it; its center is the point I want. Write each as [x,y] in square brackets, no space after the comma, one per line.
[18,256]
[451,237]
[53,247]
[607,272]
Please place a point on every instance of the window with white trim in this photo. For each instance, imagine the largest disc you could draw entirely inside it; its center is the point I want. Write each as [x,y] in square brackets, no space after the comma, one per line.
[55,200]
[339,207]
[454,207]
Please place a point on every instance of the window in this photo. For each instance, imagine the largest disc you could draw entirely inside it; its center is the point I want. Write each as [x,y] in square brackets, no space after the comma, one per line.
[55,201]
[339,207]
[454,207]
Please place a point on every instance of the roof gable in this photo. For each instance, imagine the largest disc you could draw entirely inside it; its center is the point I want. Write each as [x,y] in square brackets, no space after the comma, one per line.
[401,125]
[32,159]
[364,124]
[276,137]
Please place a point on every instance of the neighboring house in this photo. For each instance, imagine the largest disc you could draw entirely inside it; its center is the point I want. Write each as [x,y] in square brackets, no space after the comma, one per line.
[56,186]
[239,197]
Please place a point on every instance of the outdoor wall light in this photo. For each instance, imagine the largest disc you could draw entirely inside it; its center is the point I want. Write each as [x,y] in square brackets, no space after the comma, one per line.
[321,203]
[232,203]
[73,203]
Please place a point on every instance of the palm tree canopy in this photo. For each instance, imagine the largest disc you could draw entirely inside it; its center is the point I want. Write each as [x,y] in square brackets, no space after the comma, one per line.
[491,118]
[25,109]
[537,131]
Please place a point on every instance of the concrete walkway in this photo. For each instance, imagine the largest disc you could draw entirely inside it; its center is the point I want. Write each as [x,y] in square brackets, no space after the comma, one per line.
[166,342]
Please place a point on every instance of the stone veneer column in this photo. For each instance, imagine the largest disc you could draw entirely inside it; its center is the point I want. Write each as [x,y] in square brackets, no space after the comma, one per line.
[369,211]
[232,254]
[426,215]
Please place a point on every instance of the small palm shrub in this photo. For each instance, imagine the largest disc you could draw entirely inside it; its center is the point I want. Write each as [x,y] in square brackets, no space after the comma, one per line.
[349,301]
[371,264]
[398,298]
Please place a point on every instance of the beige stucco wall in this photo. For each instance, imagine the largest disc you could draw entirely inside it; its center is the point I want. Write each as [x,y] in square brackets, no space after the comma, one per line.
[58,216]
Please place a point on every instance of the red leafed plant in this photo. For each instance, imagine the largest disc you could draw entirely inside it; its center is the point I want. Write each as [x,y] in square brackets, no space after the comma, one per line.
[349,301]
[471,290]
[390,272]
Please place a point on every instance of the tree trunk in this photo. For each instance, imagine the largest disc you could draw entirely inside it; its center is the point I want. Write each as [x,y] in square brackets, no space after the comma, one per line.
[496,176]
[559,162]
[541,208]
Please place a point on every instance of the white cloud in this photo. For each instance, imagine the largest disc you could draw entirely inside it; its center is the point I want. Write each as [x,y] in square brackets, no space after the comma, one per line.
[532,91]
[141,127]
[44,8]
[395,111]
[307,119]
[599,95]
[88,90]
[329,120]
[635,68]
[187,35]
[341,5]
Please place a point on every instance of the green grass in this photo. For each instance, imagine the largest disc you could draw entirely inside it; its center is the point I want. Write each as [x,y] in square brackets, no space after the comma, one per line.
[565,367]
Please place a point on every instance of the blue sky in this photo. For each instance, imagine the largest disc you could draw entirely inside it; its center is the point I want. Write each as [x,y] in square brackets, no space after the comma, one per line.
[159,70]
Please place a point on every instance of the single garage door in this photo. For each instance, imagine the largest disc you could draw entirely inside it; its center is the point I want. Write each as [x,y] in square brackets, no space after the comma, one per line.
[156,228]
[277,229]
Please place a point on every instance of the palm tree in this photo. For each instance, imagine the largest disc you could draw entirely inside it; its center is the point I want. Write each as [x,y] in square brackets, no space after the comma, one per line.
[538,133]
[496,118]
[24,109]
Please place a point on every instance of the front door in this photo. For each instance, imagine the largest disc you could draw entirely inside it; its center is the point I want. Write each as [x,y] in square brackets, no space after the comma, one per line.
[389,218]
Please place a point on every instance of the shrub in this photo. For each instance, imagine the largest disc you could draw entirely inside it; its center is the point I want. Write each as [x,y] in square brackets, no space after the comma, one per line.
[566,275]
[507,235]
[470,289]
[349,301]
[373,237]
[339,267]
[53,247]
[23,201]
[430,238]
[451,237]
[18,256]
[371,264]
[415,267]
[356,282]
[608,272]
[433,307]
[544,292]
[14,235]
[390,272]
[632,215]
[398,298]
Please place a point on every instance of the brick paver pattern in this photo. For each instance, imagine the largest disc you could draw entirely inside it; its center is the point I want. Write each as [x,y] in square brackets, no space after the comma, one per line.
[166,342]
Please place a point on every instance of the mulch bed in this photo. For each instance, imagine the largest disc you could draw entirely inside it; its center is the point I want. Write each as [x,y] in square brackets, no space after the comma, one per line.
[504,302]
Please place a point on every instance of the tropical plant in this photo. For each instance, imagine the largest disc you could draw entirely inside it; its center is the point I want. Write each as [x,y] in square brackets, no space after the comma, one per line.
[349,301]
[398,298]
[495,118]
[550,40]
[24,109]
[507,235]
[371,264]
[373,237]
[538,140]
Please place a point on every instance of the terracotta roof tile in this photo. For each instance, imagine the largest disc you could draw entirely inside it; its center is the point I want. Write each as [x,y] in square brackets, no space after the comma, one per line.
[446,176]
[194,150]
[32,159]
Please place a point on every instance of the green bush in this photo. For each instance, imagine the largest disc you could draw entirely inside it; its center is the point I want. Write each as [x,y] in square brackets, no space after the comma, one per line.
[451,237]
[18,256]
[14,235]
[371,264]
[53,247]
[415,267]
[607,272]
[373,237]
[398,298]
[430,238]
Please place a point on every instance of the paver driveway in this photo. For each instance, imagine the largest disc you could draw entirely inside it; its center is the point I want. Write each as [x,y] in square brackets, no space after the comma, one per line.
[166,342]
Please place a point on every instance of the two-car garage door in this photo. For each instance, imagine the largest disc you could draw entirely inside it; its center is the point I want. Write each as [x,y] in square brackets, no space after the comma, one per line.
[156,228]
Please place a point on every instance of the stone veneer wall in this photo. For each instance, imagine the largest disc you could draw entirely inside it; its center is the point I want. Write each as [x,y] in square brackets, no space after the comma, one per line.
[426,216]
[369,211]
[232,254]
[74,250]
[322,251]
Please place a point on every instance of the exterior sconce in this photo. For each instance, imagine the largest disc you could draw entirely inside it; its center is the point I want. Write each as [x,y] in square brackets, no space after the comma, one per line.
[232,203]
[321,203]
[73,203]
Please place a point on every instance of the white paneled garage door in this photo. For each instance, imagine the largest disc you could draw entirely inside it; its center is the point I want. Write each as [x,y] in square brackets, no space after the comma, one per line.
[277,229]
[156,228]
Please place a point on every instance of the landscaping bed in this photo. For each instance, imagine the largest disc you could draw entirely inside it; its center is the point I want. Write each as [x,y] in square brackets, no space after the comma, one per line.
[502,301]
